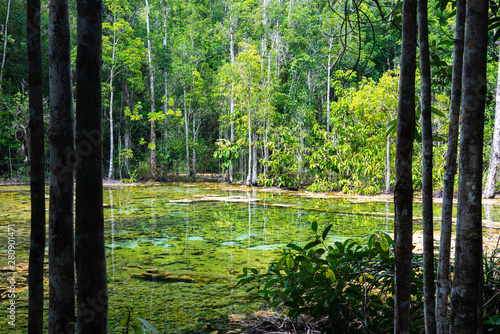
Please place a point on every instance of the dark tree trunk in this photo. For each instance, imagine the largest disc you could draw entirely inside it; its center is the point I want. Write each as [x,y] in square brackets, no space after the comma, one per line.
[62,161]
[37,170]
[89,221]
[491,182]
[443,273]
[468,256]
[403,194]
[427,214]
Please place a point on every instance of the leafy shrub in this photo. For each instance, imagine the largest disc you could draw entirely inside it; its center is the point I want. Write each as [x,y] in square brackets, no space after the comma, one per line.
[491,291]
[351,283]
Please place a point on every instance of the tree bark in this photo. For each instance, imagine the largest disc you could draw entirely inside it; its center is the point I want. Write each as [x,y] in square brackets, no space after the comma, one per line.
[4,53]
[443,271]
[492,179]
[90,253]
[328,83]
[249,176]
[165,86]
[111,127]
[186,130]
[37,170]
[231,110]
[152,92]
[388,165]
[62,161]
[403,194]
[255,160]
[468,256]
[427,209]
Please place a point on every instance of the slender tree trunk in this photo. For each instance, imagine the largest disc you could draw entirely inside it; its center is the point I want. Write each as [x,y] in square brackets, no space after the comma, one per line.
[388,165]
[328,83]
[249,176]
[165,85]
[4,53]
[492,179]
[443,272]
[231,110]
[111,126]
[90,253]
[152,92]
[186,130]
[468,256]
[37,170]
[62,160]
[254,160]
[427,213]
[195,136]
[403,194]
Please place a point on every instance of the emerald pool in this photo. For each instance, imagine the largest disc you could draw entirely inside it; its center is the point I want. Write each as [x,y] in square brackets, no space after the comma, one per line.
[200,236]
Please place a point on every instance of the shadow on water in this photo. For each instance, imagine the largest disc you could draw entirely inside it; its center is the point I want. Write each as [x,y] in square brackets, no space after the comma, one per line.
[174,251]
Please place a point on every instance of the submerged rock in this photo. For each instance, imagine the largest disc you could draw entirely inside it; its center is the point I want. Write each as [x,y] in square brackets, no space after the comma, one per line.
[163,276]
[216,198]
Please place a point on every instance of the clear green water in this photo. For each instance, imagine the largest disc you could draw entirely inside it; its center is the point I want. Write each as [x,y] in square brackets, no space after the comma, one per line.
[209,242]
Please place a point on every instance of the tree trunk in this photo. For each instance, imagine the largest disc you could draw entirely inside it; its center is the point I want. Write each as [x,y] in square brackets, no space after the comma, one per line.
[328,83]
[152,93]
[388,165]
[4,53]
[195,139]
[111,127]
[90,253]
[427,214]
[37,170]
[249,176]
[468,256]
[443,271]
[165,87]
[231,110]
[186,130]
[127,140]
[403,194]
[254,160]
[62,161]
[492,180]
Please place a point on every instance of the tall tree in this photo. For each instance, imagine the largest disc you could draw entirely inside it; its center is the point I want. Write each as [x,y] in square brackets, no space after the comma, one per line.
[467,275]
[427,210]
[443,272]
[90,255]
[403,194]
[62,158]
[37,170]
[491,181]
[152,144]
[5,40]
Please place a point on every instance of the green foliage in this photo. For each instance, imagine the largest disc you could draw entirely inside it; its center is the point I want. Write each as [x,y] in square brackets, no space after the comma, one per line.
[491,291]
[137,325]
[349,282]
[286,164]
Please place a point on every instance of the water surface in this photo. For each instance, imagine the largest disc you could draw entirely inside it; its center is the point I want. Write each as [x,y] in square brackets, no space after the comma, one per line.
[165,228]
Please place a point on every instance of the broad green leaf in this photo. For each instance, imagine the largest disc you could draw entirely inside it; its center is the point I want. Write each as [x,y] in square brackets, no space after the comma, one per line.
[295,247]
[326,231]
[310,245]
[148,326]
[314,226]
[438,112]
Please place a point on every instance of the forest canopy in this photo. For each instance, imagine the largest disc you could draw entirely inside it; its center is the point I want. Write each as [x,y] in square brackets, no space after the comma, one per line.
[277,93]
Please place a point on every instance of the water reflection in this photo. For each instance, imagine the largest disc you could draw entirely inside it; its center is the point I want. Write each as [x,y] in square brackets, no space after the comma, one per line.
[202,246]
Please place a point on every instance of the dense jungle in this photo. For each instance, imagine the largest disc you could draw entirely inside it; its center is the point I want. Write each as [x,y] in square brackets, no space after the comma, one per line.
[289,94]
[338,137]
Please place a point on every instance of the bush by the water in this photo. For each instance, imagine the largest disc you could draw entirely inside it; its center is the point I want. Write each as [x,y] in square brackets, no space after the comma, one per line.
[351,284]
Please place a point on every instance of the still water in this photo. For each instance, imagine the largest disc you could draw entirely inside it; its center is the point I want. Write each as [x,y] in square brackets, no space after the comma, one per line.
[201,235]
